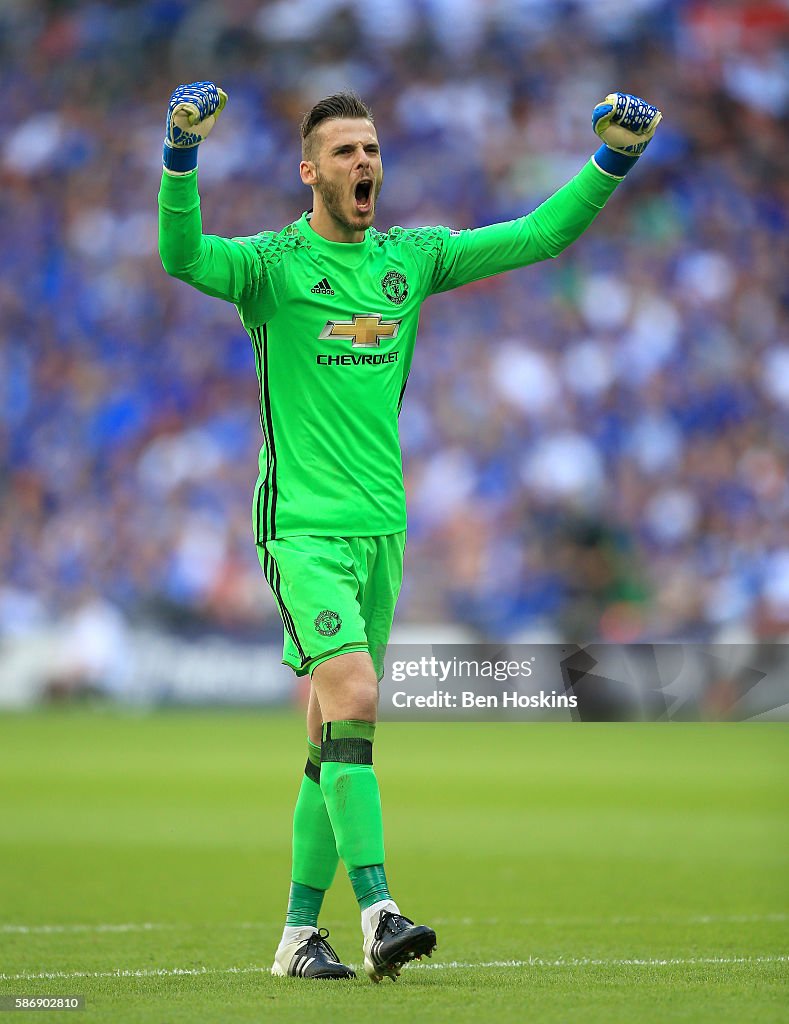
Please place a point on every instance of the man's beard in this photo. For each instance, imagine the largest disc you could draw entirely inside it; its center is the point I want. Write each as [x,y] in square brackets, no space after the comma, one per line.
[331,195]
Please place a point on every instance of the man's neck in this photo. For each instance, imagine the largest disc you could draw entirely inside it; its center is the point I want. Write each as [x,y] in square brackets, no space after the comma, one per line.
[323,224]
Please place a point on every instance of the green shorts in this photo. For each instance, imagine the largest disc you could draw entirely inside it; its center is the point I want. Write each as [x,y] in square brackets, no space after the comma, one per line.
[335,595]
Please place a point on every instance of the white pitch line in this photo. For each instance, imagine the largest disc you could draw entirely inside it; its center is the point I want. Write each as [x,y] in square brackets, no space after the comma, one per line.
[534,961]
[71,929]
[146,926]
[129,972]
[586,961]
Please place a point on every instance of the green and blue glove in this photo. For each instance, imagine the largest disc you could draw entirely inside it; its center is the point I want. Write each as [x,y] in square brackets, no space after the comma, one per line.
[191,115]
[626,125]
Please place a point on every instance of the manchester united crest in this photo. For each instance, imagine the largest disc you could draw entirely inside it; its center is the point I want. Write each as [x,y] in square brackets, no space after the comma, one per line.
[327,623]
[395,287]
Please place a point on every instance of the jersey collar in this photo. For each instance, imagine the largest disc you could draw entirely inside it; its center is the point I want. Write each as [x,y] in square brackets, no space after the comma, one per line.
[353,251]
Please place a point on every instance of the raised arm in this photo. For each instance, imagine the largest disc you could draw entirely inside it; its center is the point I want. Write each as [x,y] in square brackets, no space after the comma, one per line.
[626,125]
[222,267]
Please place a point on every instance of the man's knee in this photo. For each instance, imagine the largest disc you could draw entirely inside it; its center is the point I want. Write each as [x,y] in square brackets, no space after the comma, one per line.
[347,687]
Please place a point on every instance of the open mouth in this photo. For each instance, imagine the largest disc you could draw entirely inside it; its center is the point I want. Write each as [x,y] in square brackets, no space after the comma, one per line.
[363,195]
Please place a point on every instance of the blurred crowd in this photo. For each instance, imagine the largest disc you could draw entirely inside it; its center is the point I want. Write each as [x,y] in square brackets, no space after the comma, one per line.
[596,448]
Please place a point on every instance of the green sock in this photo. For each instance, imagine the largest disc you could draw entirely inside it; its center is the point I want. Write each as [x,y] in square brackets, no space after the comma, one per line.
[369,885]
[304,904]
[315,855]
[353,801]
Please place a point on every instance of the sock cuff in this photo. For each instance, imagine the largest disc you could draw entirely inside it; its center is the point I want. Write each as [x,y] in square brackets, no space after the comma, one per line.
[349,742]
[351,728]
[312,769]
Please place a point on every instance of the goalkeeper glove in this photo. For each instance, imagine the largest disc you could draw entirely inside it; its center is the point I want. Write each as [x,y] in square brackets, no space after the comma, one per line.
[626,125]
[191,115]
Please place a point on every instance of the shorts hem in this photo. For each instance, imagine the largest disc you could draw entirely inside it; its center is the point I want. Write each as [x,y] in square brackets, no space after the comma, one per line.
[308,667]
[292,534]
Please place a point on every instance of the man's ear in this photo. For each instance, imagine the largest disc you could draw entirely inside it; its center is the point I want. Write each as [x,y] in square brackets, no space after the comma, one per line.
[308,172]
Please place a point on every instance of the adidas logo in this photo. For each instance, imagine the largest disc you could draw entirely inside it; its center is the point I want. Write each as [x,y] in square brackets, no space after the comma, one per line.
[322,288]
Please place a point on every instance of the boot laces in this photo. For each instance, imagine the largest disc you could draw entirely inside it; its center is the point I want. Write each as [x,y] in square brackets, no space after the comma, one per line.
[393,923]
[317,943]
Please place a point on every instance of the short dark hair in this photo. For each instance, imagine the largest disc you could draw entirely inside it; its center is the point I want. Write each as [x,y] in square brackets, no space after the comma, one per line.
[341,104]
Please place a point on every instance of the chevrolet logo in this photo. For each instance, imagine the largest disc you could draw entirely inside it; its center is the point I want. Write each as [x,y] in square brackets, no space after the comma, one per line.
[365,330]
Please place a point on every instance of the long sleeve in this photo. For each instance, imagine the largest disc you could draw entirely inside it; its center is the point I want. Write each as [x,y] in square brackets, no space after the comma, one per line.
[470,255]
[222,267]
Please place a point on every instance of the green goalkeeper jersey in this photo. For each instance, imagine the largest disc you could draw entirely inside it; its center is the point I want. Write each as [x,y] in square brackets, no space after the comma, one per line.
[333,327]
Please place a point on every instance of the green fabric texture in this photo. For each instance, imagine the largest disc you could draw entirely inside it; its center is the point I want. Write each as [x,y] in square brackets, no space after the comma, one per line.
[315,856]
[369,885]
[353,800]
[304,905]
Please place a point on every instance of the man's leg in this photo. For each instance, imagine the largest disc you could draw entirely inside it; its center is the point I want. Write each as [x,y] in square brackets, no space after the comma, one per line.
[314,848]
[347,689]
[314,865]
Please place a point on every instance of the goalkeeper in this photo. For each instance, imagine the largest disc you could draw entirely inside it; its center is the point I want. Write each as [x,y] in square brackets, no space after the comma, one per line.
[331,306]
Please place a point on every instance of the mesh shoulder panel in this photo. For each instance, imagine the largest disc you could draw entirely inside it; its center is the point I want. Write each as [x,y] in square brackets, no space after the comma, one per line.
[272,246]
[429,240]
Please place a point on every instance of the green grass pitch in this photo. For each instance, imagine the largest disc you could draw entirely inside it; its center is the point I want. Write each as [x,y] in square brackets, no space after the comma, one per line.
[574,873]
